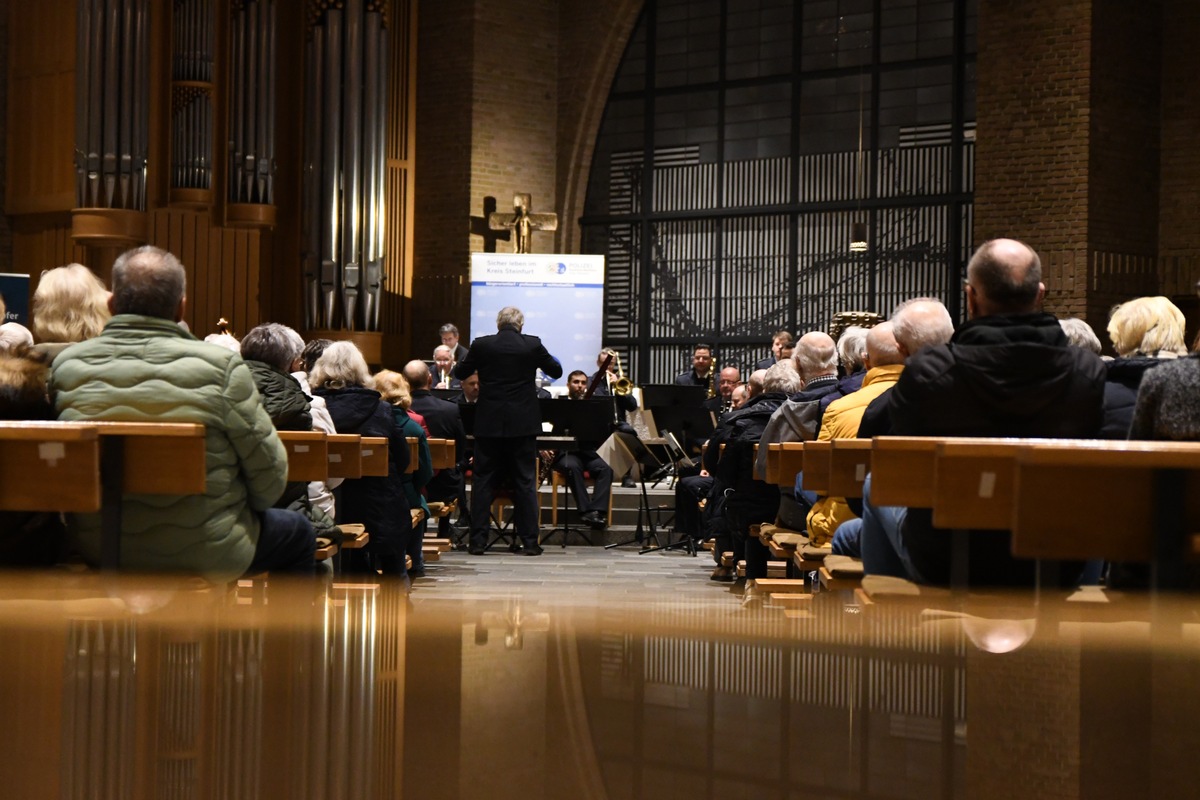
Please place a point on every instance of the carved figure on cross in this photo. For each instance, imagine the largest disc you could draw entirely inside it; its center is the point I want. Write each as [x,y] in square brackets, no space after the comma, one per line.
[522,223]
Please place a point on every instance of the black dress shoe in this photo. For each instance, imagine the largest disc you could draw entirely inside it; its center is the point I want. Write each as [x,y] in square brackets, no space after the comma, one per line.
[532,550]
[595,520]
[477,550]
[628,483]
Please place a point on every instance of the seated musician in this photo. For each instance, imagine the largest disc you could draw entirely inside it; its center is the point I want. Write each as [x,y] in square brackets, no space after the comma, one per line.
[443,359]
[574,463]
[730,378]
[698,375]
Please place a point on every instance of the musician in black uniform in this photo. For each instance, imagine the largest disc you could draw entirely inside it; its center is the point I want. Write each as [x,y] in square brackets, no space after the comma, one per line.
[574,463]
[702,361]
[507,422]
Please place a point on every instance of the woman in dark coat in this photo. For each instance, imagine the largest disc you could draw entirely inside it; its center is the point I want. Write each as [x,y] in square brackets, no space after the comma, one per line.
[341,377]
[395,390]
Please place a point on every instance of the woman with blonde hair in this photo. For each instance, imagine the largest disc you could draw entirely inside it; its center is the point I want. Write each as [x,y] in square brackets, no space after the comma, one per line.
[395,390]
[70,304]
[1145,332]
[341,377]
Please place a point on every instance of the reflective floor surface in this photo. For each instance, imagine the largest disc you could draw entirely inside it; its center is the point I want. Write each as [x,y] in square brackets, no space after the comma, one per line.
[587,674]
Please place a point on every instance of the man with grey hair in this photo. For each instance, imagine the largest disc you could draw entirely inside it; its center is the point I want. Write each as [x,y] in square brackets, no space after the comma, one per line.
[507,423]
[745,498]
[443,361]
[1008,371]
[754,384]
[145,367]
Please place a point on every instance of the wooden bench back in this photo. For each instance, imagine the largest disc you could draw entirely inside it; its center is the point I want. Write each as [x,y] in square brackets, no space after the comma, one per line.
[849,463]
[442,452]
[160,457]
[345,455]
[308,455]
[817,459]
[49,466]
[374,456]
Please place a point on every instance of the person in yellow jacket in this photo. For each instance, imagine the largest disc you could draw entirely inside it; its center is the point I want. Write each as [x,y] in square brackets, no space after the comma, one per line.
[885,361]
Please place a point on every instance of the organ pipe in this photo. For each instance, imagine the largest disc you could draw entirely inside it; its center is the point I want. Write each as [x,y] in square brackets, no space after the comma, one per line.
[346,97]
[252,46]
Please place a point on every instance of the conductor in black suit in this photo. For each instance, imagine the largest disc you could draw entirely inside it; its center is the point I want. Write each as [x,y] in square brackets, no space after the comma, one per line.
[507,423]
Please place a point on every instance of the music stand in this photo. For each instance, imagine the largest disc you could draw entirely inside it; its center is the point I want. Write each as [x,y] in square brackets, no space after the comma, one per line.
[453,395]
[579,423]
[678,410]
[647,463]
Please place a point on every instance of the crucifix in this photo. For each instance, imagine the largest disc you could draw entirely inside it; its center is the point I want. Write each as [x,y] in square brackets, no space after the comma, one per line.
[522,223]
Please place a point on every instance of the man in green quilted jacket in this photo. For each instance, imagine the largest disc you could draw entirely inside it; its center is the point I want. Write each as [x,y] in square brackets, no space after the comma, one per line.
[145,368]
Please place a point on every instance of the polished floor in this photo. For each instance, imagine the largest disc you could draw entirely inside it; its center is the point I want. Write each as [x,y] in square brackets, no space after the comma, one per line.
[586,673]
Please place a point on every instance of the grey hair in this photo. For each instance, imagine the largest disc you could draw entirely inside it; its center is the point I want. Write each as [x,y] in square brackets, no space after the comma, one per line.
[921,322]
[754,384]
[510,315]
[782,377]
[814,360]
[442,347]
[882,347]
[274,344]
[851,347]
[148,281]
[1080,334]
[14,336]
[341,365]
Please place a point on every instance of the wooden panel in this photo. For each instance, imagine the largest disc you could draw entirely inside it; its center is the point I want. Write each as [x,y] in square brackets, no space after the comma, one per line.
[40,121]
[817,456]
[345,455]
[791,462]
[848,467]
[772,470]
[374,455]
[161,458]
[973,485]
[53,467]
[902,471]
[308,455]
[442,453]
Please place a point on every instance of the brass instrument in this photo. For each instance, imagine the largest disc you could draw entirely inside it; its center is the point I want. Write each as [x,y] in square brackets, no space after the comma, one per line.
[622,385]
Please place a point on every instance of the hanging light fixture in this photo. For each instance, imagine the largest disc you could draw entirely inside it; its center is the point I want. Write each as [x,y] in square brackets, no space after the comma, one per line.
[858,228]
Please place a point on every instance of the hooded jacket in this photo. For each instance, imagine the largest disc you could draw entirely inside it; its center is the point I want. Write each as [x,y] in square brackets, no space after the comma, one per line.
[375,501]
[1009,376]
[149,369]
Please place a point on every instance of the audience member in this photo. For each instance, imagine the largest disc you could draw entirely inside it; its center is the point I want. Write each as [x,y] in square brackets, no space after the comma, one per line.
[394,389]
[341,377]
[70,304]
[1009,371]
[1145,332]
[14,336]
[444,421]
[144,367]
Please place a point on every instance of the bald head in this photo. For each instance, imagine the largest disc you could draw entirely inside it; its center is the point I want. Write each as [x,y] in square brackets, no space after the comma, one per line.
[815,356]
[1004,277]
[417,375]
[882,348]
[923,322]
[754,384]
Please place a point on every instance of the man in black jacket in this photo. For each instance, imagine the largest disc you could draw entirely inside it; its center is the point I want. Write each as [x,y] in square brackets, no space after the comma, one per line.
[1009,371]
[507,423]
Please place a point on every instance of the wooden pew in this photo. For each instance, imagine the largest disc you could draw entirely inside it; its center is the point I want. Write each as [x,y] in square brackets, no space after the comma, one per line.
[442,452]
[414,453]
[373,456]
[849,463]
[156,458]
[49,466]
[817,459]
[902,471]
[308,455]
[791,462]
[345,455]
[1121,501]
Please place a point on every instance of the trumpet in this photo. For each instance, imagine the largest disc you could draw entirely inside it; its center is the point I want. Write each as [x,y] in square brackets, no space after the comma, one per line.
[622,385]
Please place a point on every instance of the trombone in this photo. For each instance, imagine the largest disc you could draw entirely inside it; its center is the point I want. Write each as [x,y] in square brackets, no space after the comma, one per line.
[622,385]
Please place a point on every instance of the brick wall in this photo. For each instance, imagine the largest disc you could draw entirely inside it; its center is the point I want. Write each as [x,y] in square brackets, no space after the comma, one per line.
[443,169]
[1033,89]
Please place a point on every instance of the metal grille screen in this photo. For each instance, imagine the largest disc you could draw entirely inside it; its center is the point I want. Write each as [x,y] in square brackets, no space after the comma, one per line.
[725,183]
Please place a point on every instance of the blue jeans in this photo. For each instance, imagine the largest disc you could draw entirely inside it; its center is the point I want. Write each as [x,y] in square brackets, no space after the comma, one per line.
[847,539]
[286,543]
[882,539]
